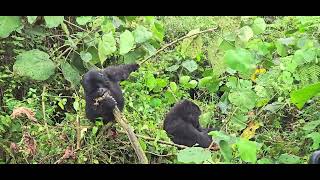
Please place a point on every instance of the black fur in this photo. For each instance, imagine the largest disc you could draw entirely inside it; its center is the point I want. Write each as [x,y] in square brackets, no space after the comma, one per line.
[95,83]
[182,125]
[315,158]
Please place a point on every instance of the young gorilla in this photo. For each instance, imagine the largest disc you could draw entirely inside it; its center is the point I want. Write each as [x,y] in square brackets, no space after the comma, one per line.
[315,158]
[96,83]
[182,124]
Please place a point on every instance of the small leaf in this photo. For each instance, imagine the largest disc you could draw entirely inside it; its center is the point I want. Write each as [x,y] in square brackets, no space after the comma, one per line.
[83,20]
[34,64]
[190,65]
[173,86]
[193,83]
[126,42]
[173,68]
[258,26]
[31,19]
[194,155]
[76,105]
[184,79]
[85,56]
[8,24]
[141,34]
[53,21]
[245,34]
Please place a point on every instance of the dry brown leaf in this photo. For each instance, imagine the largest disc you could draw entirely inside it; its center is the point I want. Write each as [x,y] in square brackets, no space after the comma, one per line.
[30,143]
[14,147]
[23,111]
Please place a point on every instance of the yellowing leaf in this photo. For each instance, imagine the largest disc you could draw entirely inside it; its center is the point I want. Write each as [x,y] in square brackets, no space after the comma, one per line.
[257,72]
[250,131]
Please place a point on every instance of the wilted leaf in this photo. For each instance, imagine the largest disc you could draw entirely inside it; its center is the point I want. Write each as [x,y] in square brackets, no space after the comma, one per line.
[34,64]
[21,111]
[250,131]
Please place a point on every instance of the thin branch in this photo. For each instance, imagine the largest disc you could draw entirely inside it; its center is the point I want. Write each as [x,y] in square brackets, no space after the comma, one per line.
[175,41]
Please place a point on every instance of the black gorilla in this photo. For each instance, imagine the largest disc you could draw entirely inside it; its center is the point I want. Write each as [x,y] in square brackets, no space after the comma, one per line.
[315,158]
[96,83]
[182,125]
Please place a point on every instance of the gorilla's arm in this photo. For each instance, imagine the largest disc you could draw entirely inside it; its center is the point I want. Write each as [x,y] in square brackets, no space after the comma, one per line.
[120,72]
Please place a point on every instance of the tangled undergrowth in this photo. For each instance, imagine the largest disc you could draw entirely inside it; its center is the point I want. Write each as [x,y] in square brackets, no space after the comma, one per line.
[255,78]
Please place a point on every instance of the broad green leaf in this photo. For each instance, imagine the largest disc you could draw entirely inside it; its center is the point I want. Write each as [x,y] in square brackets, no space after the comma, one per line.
[150,81]
[240,60]
[133,56]
[315,136]
[71,74]
[34,64]
[190,65]
[211,83]
[247,150]
[301,96]
[173,86]
[195,155]
[149,48]
[126,42]
[155,102]
[226,45]
[141,34]
[31,19]
[173,68]
[8,24]
[310,126]
[289,159]
[225,150]
[83,20]
[107,27]
[85,56]
[158,31]
[193,83]
[239,122]
[53,21]
[245,99]
[220,136]
[258,26]
[106,46]
[264,161]
[245,33]
[184,79]
[232,82]
[281,49]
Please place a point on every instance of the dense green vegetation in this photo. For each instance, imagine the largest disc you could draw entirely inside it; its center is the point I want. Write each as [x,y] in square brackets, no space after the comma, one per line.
[255,78]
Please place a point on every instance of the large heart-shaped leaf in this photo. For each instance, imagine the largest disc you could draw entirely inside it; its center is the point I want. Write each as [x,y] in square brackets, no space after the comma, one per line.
[53,21]
[240,60]
[194,155]
[71,74]
[126,42]
[245,34]
[315,136]
[34,64]
[247,150]
[289,159]
[301,96]
[8,24]
[244,99]
[258,26]
[141,34]
[225,150]
[106,46]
